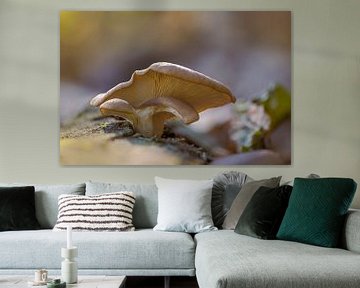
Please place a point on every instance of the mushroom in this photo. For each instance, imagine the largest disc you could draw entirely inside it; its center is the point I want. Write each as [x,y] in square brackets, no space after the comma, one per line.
[161,92]
[150,117]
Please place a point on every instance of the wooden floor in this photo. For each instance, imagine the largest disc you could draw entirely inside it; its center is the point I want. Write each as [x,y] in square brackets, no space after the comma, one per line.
[158,282]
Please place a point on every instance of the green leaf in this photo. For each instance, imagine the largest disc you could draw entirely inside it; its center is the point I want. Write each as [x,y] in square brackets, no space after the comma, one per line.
[277,104]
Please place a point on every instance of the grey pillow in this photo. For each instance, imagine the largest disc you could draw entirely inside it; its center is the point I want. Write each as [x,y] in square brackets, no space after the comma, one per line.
[310,176]
[243,198]
[146,204]
[184,205]
[226,187]
[46,200]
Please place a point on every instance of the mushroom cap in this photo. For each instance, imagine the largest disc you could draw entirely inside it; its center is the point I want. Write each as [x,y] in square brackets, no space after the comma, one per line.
[164,79]
[119,107]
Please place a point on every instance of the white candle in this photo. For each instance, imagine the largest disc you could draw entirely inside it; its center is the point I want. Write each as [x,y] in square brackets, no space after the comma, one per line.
[69,239]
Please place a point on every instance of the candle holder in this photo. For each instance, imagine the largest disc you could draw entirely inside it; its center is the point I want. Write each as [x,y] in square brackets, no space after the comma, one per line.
[68,265]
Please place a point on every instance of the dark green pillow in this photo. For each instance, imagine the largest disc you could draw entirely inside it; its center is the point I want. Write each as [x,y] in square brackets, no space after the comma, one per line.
[263,214]
[17,208]
[316,211]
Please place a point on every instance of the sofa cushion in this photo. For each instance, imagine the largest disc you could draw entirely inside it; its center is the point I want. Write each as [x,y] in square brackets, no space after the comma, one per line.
[142,249]
[225,189]
[243,198]
[105,212]
[350,239]
[146,205]
[225,259]
[317,210]
[184,205]
[17,208]
[46,200]
[263,215]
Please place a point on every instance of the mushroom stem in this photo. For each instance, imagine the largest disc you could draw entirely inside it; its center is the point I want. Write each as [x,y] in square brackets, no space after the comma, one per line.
[153,114]
[145,124]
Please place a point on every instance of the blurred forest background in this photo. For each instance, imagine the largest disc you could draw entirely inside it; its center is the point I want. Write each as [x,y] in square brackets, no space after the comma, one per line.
[247,51]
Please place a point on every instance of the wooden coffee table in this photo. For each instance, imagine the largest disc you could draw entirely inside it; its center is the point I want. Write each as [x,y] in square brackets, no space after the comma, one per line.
[84,281]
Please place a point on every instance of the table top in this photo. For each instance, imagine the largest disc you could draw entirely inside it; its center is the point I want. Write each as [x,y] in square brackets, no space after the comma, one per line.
[84,281]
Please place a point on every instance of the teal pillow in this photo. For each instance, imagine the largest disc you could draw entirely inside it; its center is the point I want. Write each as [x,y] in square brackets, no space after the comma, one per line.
[316,211]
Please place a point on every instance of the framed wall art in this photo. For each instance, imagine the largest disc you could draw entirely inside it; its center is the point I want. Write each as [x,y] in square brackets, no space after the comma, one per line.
[175,88]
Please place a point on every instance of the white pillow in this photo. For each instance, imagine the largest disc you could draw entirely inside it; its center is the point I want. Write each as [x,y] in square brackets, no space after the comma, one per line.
[104,212]
[184,205]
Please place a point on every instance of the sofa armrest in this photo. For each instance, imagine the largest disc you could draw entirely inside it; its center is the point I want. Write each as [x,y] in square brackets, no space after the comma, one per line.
[351,234]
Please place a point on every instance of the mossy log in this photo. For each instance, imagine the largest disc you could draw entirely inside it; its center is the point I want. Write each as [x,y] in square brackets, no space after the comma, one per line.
[92,139]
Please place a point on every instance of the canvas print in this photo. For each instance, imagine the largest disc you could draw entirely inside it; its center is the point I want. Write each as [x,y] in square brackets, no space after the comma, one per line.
[175,88]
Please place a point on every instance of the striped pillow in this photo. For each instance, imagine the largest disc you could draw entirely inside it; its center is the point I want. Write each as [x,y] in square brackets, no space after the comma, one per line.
[105,212]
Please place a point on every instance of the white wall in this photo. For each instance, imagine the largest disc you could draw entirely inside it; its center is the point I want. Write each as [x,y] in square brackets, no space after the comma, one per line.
[326,91]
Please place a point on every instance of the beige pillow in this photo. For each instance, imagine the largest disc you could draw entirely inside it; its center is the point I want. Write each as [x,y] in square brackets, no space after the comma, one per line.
[243,198]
